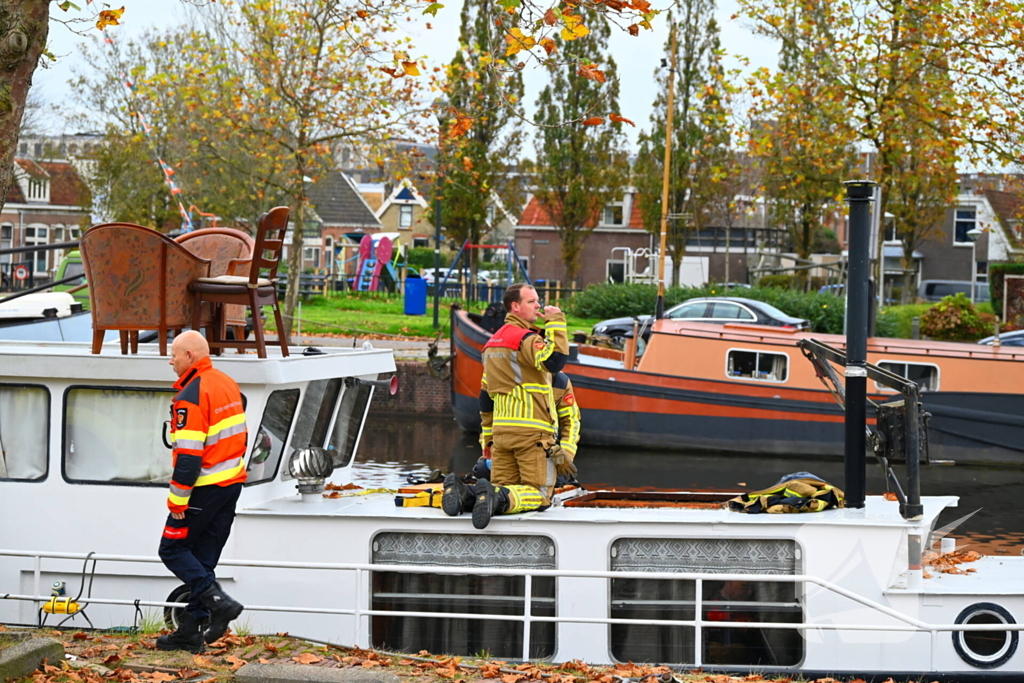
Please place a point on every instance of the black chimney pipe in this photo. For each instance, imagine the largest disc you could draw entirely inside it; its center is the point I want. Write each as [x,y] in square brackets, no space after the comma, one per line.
[860,194]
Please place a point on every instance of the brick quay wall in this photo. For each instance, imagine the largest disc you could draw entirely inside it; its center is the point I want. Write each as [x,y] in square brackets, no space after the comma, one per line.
[419,392]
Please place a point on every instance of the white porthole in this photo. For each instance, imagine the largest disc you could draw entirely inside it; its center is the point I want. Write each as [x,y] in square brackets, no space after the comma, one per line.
[985,649]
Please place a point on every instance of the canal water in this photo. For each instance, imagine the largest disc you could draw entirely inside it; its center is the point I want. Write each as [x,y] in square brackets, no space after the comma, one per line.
[394,447]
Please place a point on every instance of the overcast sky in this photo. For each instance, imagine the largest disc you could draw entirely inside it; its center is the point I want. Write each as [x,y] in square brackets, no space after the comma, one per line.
[637,57]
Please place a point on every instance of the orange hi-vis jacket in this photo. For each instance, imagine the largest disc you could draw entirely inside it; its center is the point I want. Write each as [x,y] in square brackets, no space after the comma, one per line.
[208,432]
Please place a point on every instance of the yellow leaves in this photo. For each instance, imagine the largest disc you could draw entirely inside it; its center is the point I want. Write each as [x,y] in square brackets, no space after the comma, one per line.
[518,41]
[410,68]
[591,72]
[573,27]
[109,17]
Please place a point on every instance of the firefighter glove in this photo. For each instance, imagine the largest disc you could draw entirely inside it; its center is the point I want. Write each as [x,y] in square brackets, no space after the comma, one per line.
[562,462]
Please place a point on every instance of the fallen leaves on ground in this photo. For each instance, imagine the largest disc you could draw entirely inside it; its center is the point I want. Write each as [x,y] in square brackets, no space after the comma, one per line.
[307,658]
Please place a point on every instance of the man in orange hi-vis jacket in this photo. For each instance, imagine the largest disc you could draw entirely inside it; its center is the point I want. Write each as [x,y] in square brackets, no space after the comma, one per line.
[209,435]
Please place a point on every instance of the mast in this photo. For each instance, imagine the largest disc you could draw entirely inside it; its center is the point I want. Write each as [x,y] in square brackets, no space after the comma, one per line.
[659,307]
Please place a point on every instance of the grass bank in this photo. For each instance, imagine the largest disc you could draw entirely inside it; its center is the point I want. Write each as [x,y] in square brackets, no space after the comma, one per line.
[348,314]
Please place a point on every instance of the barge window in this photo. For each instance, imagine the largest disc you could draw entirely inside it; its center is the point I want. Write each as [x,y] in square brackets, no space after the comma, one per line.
[349,423]
[24,432]
[768,367]
[113,435]
[926,375]
[314,416]
[268,444]
[721,601]
[462,593]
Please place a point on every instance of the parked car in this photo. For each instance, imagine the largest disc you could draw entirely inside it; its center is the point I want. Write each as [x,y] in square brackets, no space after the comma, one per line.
[935,290]
[1015,338]
[715,309]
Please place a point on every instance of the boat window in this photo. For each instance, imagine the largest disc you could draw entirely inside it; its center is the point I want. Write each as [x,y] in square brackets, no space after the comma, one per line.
[349,423]
[768,367]
[462,593]
[268,444]
[721,602]
[689,311]
[318,401]
[730,311]
[24,432]
[114,435]
[926,376]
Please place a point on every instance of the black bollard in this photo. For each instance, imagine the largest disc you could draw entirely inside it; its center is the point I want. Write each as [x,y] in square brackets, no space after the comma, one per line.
[860,194]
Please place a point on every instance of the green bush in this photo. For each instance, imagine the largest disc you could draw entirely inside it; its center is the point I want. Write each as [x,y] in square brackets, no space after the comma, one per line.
[955,319]
[423,257]
[898,321]
[778,281]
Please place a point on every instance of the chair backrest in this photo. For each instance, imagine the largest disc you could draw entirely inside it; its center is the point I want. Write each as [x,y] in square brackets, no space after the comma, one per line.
[269,243]
[138,278]
[218,245]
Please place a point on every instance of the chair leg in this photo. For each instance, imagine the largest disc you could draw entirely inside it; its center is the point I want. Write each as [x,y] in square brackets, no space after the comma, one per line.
[133,338]
[163,340]
[124,342]
[239,331]
[281,332]
[197,312]
[257,324]
[97,340]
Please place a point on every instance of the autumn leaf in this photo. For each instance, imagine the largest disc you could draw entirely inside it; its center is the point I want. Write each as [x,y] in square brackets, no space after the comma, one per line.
[109,17]
[158,676]
[518,41]
[460,127]
[550,17]
[261,660]
[593,121]
[362,14]
[203,662]
[633,29]
[621,119]
[307,658]
[113,659]
[235,662]
[549,45]
[410,68]
[370,663]
[573,27]
[80,636]
[432,8]
[592,72]
[390,71]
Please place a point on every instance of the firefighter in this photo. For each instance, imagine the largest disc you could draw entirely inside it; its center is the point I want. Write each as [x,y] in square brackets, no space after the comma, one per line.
[209,436]
[568,427]
[517,408]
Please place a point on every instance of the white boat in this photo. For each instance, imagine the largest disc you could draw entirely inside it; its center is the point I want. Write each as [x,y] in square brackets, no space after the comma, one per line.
[835,592]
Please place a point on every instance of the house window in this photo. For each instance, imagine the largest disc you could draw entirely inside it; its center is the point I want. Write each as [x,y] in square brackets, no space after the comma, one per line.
[58,233]
[494,596]
[613,215]
[6,234]
[420,242]
[966,220]
[37,235]
[113,435]
[311,256]
[405,217]
[37,188]
[926,376]
[490,215]
[766,367]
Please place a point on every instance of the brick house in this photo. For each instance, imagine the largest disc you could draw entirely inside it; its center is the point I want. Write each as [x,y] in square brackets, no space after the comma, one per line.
[47,203]
[341,215]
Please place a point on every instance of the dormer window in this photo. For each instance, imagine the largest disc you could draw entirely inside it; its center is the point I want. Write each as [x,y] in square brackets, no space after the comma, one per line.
[38,189]
[614,215]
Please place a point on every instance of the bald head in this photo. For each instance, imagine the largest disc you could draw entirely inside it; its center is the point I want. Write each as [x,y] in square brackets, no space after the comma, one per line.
[187,349]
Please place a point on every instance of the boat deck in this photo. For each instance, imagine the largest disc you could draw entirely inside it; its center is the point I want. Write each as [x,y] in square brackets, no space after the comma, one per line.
[877,512]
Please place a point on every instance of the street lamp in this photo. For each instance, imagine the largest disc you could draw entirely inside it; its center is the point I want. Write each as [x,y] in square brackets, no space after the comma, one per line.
[973,234]
[441,112]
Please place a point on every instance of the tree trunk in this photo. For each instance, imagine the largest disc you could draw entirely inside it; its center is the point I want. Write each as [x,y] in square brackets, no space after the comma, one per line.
[291,296]
[24,25]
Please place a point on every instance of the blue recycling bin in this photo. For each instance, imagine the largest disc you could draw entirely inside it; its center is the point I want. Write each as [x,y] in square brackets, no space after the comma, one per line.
[415,296]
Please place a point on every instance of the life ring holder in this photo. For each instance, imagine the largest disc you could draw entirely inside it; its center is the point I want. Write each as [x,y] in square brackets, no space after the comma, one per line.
[981,660]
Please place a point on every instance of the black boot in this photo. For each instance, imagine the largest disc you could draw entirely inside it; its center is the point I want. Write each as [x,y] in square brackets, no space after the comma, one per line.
[490,500]
[223,608]
[457,497]
[189,636]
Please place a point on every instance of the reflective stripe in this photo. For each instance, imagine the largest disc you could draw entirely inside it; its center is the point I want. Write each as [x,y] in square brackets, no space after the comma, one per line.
[178,500]
[536,387]
[180,491]
[189,434]
[227,422]
[188,444]
[569,448]
[523,422]
[517,372]
[565,411]
[226,432]
[222,471]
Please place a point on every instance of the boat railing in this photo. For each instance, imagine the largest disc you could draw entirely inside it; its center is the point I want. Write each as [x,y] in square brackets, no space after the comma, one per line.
[906,623]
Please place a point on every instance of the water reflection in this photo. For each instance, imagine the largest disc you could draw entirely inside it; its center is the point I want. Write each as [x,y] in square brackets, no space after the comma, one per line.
[394,447]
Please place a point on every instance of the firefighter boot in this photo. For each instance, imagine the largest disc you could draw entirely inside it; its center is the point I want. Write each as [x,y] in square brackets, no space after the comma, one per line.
[223,608]
[490,500]
[189,636]
[457,497]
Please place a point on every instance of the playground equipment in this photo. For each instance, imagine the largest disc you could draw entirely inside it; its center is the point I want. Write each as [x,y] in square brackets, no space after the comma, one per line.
[374,258]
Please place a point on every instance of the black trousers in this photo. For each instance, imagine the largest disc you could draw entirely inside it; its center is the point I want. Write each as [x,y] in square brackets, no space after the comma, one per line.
[191,547]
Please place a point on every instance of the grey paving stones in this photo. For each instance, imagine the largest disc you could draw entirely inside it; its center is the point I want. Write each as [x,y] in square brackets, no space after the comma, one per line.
[287,673]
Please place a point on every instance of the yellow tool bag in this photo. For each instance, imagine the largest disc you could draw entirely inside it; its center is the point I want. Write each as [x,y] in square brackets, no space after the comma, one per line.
[799,492]
[422,495]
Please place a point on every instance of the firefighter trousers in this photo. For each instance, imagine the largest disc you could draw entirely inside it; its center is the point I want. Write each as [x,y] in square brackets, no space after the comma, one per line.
[522,458]
[191,547]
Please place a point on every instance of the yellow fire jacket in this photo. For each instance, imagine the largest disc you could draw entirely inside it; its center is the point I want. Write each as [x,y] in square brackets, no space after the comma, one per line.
[516,392]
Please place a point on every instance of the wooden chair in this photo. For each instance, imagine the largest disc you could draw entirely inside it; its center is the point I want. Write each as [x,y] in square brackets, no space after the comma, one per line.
[138,280]
[229,252]
[254,290]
